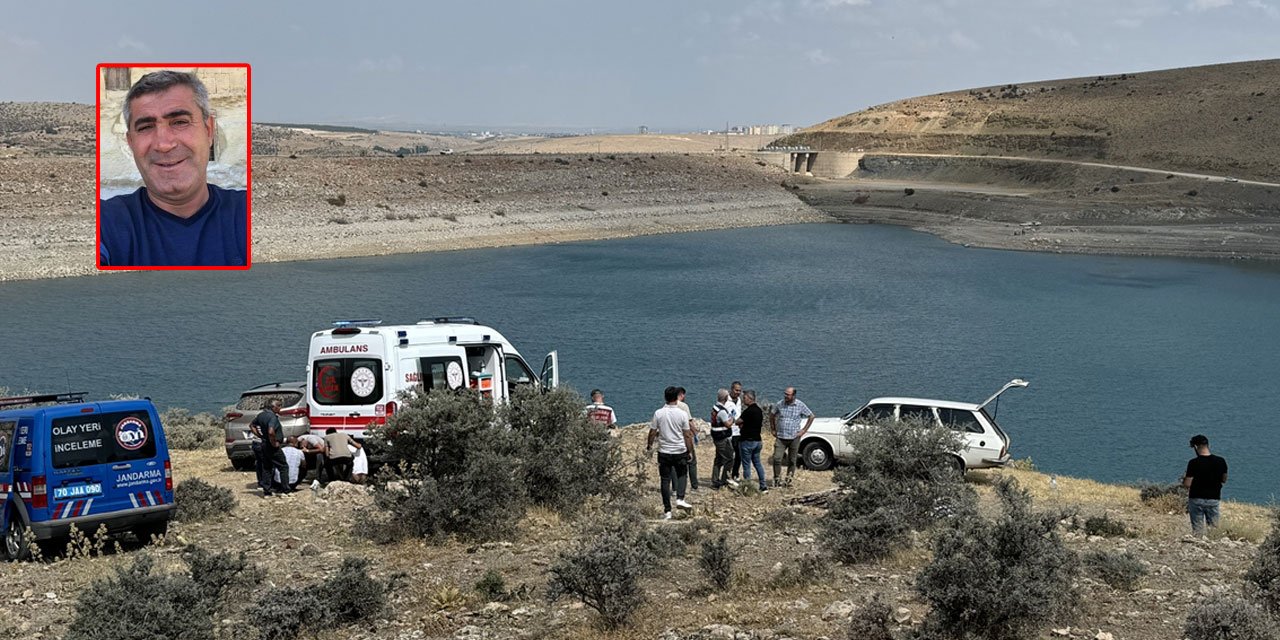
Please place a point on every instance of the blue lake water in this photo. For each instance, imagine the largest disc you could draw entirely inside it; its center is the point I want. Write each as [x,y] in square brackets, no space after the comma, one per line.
[1127,357]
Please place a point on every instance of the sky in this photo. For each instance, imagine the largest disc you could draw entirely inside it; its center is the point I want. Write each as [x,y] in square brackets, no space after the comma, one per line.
[671,65]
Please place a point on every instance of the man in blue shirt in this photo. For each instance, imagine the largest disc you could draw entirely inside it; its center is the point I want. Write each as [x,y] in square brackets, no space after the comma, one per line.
[177,218]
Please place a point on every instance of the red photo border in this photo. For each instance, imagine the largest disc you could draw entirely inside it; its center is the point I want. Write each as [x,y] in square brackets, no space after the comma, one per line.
[248,177]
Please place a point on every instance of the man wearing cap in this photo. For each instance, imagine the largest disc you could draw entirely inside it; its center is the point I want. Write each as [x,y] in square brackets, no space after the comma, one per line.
[1206,473]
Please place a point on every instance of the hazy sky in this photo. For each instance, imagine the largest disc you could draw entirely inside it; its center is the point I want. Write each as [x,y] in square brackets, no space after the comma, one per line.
[668,64]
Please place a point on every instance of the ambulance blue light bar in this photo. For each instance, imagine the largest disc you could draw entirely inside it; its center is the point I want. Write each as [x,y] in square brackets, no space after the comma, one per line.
[403,336]
[369,322]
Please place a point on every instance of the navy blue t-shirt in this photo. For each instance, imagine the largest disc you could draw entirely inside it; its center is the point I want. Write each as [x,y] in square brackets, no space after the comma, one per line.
[137,233]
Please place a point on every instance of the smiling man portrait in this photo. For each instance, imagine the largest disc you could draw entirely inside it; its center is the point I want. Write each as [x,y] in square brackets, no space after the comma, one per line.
[176,218]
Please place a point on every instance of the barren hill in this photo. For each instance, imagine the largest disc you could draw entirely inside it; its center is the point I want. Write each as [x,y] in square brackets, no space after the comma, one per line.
[46,128]
[1220,119]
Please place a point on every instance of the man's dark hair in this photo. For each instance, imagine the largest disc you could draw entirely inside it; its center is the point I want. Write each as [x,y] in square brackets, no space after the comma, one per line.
[330,430]
[1199,441]
[739,383]
[671,393]
[158,81]
[596,392]
[680,390]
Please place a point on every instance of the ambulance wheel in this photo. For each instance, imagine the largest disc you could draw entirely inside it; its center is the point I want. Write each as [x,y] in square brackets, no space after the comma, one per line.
[145,532]
[16,543]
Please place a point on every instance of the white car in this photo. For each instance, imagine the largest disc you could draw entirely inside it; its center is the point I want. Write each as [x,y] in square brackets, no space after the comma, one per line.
[986,444]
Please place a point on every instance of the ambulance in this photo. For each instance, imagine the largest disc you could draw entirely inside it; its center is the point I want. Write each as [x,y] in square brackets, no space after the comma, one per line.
[358,369]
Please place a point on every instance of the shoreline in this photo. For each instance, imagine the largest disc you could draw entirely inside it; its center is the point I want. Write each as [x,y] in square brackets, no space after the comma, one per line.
[1036,222]
[440,204]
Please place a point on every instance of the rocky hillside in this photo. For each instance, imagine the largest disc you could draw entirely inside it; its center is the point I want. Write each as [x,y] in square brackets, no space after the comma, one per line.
[46,128]
[1222,119]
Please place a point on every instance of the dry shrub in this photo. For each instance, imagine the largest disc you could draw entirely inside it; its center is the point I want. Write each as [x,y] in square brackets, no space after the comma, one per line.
[870,620]
[902,480]
[1263,577]
[1120,570]
[604,573]
[977,563]
[188,432]
[198,500]
[717,561]
[1230,618]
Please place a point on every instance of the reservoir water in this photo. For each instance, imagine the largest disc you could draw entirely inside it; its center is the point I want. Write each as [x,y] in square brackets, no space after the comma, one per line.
[1127,357]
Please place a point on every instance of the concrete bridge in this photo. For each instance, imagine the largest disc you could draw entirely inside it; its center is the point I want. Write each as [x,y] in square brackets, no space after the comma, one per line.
[811,162]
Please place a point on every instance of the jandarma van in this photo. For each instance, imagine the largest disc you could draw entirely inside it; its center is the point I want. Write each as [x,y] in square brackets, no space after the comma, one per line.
[177,218]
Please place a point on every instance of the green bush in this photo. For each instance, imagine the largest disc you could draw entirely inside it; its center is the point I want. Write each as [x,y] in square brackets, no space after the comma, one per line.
[717,560]
[282,613]
[188,432]
[217,574]
[198,500]
[452,471]
[870,620]
[1121,570]
[460,466]
[491,586]
[1105,526]
[904,479]
[978,563]
[604,573]
[810,568]
[351,595]
[1263,577]
[1230,619]
[137,604]
[565,457]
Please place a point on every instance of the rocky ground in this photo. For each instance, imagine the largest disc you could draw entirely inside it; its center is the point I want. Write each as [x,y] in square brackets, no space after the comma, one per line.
[297,537]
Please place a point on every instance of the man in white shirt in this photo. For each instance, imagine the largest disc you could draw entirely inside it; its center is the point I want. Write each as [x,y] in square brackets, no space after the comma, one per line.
[296,463]
[670,429]
[735,404]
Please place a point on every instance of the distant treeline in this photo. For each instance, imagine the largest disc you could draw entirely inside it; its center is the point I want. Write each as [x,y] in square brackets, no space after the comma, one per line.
[318,127]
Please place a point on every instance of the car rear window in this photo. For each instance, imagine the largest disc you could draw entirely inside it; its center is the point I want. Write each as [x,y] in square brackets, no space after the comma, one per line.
[260,401]
[102,438]
[960,420]
[915,413]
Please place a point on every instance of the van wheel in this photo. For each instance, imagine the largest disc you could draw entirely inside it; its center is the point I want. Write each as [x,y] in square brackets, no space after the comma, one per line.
[145,532]
[16,543]
[817,455]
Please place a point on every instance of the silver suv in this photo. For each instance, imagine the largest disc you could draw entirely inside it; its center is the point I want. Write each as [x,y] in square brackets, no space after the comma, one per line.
[293,417]
[985,443]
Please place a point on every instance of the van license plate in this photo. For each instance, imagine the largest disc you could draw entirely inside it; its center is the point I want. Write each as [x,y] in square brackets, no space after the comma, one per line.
[77,491]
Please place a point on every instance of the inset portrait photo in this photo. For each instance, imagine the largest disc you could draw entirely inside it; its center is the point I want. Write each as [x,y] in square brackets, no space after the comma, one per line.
[174,170]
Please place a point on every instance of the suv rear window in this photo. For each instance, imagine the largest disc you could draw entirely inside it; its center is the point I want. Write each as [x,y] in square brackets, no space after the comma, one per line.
[102,438]
[260,401]
[347,381]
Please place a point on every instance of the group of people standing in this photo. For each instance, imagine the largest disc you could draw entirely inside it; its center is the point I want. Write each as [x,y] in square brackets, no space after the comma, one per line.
[282,462]
[736,425]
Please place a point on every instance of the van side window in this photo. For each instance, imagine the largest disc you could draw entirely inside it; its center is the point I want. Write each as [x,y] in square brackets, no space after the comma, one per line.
[347,381]
[6,443]
[960,420]
[434,372]
[102,438]
[913,413]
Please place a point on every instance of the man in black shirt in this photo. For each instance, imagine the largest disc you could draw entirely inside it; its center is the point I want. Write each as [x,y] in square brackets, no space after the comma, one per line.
[749,445]
[1206,473]
[267,448]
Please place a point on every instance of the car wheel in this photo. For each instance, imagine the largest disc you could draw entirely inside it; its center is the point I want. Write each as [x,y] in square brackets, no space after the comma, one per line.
[817,455]
[145,532]
[16,545]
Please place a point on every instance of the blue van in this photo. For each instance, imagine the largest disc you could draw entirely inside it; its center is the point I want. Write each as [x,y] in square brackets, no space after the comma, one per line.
[81,463]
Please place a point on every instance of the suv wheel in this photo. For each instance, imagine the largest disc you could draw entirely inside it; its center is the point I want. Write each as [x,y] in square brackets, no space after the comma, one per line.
[816,455]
